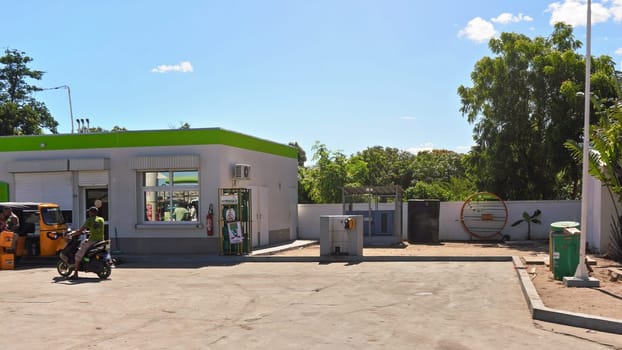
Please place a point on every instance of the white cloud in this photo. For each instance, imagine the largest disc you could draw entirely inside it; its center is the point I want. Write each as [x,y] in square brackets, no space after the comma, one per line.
[616,10]
[618,51]
[463,149]
[478,30]
[428,146]
[507,17]
[183,67]
[407,117]
[481,30]
[574,12]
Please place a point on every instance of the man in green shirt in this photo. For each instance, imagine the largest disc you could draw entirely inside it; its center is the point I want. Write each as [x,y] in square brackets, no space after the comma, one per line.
[180,213]
[95,225]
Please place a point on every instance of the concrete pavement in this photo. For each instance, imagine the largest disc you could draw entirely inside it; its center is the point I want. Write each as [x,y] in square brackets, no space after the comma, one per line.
[537,308]
[198,302]
[282,305]
[266,254]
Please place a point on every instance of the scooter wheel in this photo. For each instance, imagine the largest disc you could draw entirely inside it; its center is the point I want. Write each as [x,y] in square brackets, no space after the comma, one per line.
[64,269]
[105,272]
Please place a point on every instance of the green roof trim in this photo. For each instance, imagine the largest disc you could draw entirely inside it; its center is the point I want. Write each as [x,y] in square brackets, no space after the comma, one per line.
[147,138]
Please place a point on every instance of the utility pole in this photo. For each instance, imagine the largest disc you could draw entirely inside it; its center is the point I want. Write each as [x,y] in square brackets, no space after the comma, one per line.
[581,277]
[69,95]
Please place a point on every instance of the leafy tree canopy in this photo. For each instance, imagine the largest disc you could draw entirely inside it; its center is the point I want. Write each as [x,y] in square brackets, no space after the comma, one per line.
[435,174]
[20,113]
[302,156]
[523,105]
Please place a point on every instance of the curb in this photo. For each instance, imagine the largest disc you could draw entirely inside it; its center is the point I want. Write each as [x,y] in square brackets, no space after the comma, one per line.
[379,258]
[279,248]
[151,261]
[547,314]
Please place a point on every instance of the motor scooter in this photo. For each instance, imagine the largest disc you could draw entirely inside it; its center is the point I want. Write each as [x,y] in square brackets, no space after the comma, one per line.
[97,259]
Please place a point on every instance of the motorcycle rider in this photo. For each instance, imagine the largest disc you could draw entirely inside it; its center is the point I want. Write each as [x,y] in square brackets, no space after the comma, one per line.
[94,224]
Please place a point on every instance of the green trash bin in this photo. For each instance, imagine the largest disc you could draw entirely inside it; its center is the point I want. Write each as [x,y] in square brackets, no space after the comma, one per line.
[564,249]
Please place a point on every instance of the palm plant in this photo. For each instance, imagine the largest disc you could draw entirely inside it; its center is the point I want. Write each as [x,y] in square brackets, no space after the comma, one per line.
[605,158]
[529,219]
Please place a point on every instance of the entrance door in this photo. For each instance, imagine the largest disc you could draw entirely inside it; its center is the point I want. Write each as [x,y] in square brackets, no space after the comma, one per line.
[293,213]
[98,197]
[259,205]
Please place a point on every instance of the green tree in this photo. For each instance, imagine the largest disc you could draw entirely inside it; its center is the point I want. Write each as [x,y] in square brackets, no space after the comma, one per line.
[424,190]
[305,185]
[523,105]
[380,166]
[357,172]
[118,128]
[302,155]
[439,174]
[20,113]
[303,175]
[324,181]
[181,125]
[437,165]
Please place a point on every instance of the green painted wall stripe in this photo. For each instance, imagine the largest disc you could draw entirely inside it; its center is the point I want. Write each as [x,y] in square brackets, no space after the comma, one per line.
[152,138]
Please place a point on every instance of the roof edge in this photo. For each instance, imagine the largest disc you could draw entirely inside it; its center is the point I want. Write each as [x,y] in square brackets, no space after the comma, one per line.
[144,138]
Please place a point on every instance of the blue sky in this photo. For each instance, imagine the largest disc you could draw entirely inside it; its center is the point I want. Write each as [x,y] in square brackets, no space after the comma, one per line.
[349,73]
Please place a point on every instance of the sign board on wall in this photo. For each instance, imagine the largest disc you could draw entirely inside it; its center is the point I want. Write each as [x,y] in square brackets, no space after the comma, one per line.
[229,199]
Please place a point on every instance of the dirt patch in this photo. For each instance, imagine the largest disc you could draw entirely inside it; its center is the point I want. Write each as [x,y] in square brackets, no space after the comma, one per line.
[605,301]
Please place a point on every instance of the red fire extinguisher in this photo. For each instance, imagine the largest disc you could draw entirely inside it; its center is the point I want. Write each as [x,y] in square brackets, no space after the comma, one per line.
[210,220]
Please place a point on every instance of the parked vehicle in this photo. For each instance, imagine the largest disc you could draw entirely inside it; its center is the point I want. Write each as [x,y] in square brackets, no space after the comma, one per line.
[97,259]
[39,223]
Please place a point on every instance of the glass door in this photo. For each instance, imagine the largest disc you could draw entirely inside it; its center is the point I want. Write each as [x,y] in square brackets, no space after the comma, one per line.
[98,197]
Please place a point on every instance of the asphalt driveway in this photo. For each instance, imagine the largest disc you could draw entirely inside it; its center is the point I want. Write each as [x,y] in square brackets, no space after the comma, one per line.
[284,305]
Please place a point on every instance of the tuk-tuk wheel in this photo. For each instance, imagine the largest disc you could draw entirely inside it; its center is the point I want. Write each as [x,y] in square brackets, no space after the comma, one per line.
[64,269]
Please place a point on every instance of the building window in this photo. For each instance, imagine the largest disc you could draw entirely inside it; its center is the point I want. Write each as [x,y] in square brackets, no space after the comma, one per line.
[170,196]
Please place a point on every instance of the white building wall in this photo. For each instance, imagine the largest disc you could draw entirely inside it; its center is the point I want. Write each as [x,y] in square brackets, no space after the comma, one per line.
[278,174]
[595,210]
[601,210]
[608,213]
[309,218]
[450,227]
[216,168]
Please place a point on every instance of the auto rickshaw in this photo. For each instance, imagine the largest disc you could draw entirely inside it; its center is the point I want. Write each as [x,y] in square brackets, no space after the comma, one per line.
[38,231]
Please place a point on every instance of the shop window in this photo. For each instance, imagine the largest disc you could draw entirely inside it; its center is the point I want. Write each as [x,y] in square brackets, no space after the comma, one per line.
[170,196]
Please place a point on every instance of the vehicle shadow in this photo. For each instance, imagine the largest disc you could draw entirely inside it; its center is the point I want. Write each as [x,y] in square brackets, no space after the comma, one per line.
[80,280]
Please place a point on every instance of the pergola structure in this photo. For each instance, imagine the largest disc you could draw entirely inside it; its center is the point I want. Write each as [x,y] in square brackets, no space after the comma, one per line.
[373,195]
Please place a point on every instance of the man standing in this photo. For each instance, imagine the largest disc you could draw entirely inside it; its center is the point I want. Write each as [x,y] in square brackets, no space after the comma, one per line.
[9,219]
[180,213]
[95,225]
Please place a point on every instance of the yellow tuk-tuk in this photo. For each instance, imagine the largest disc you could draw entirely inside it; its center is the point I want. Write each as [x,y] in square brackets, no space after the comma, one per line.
[39,224]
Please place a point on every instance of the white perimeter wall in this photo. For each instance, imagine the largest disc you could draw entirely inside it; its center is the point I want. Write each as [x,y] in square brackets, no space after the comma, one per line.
[450,227]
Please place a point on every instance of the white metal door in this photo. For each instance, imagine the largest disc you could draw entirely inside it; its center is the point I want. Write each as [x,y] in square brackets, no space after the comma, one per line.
[293,213]
[259,205]
[56,187]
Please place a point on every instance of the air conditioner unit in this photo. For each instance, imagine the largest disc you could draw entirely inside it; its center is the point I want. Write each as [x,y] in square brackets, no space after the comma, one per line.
[242,171]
